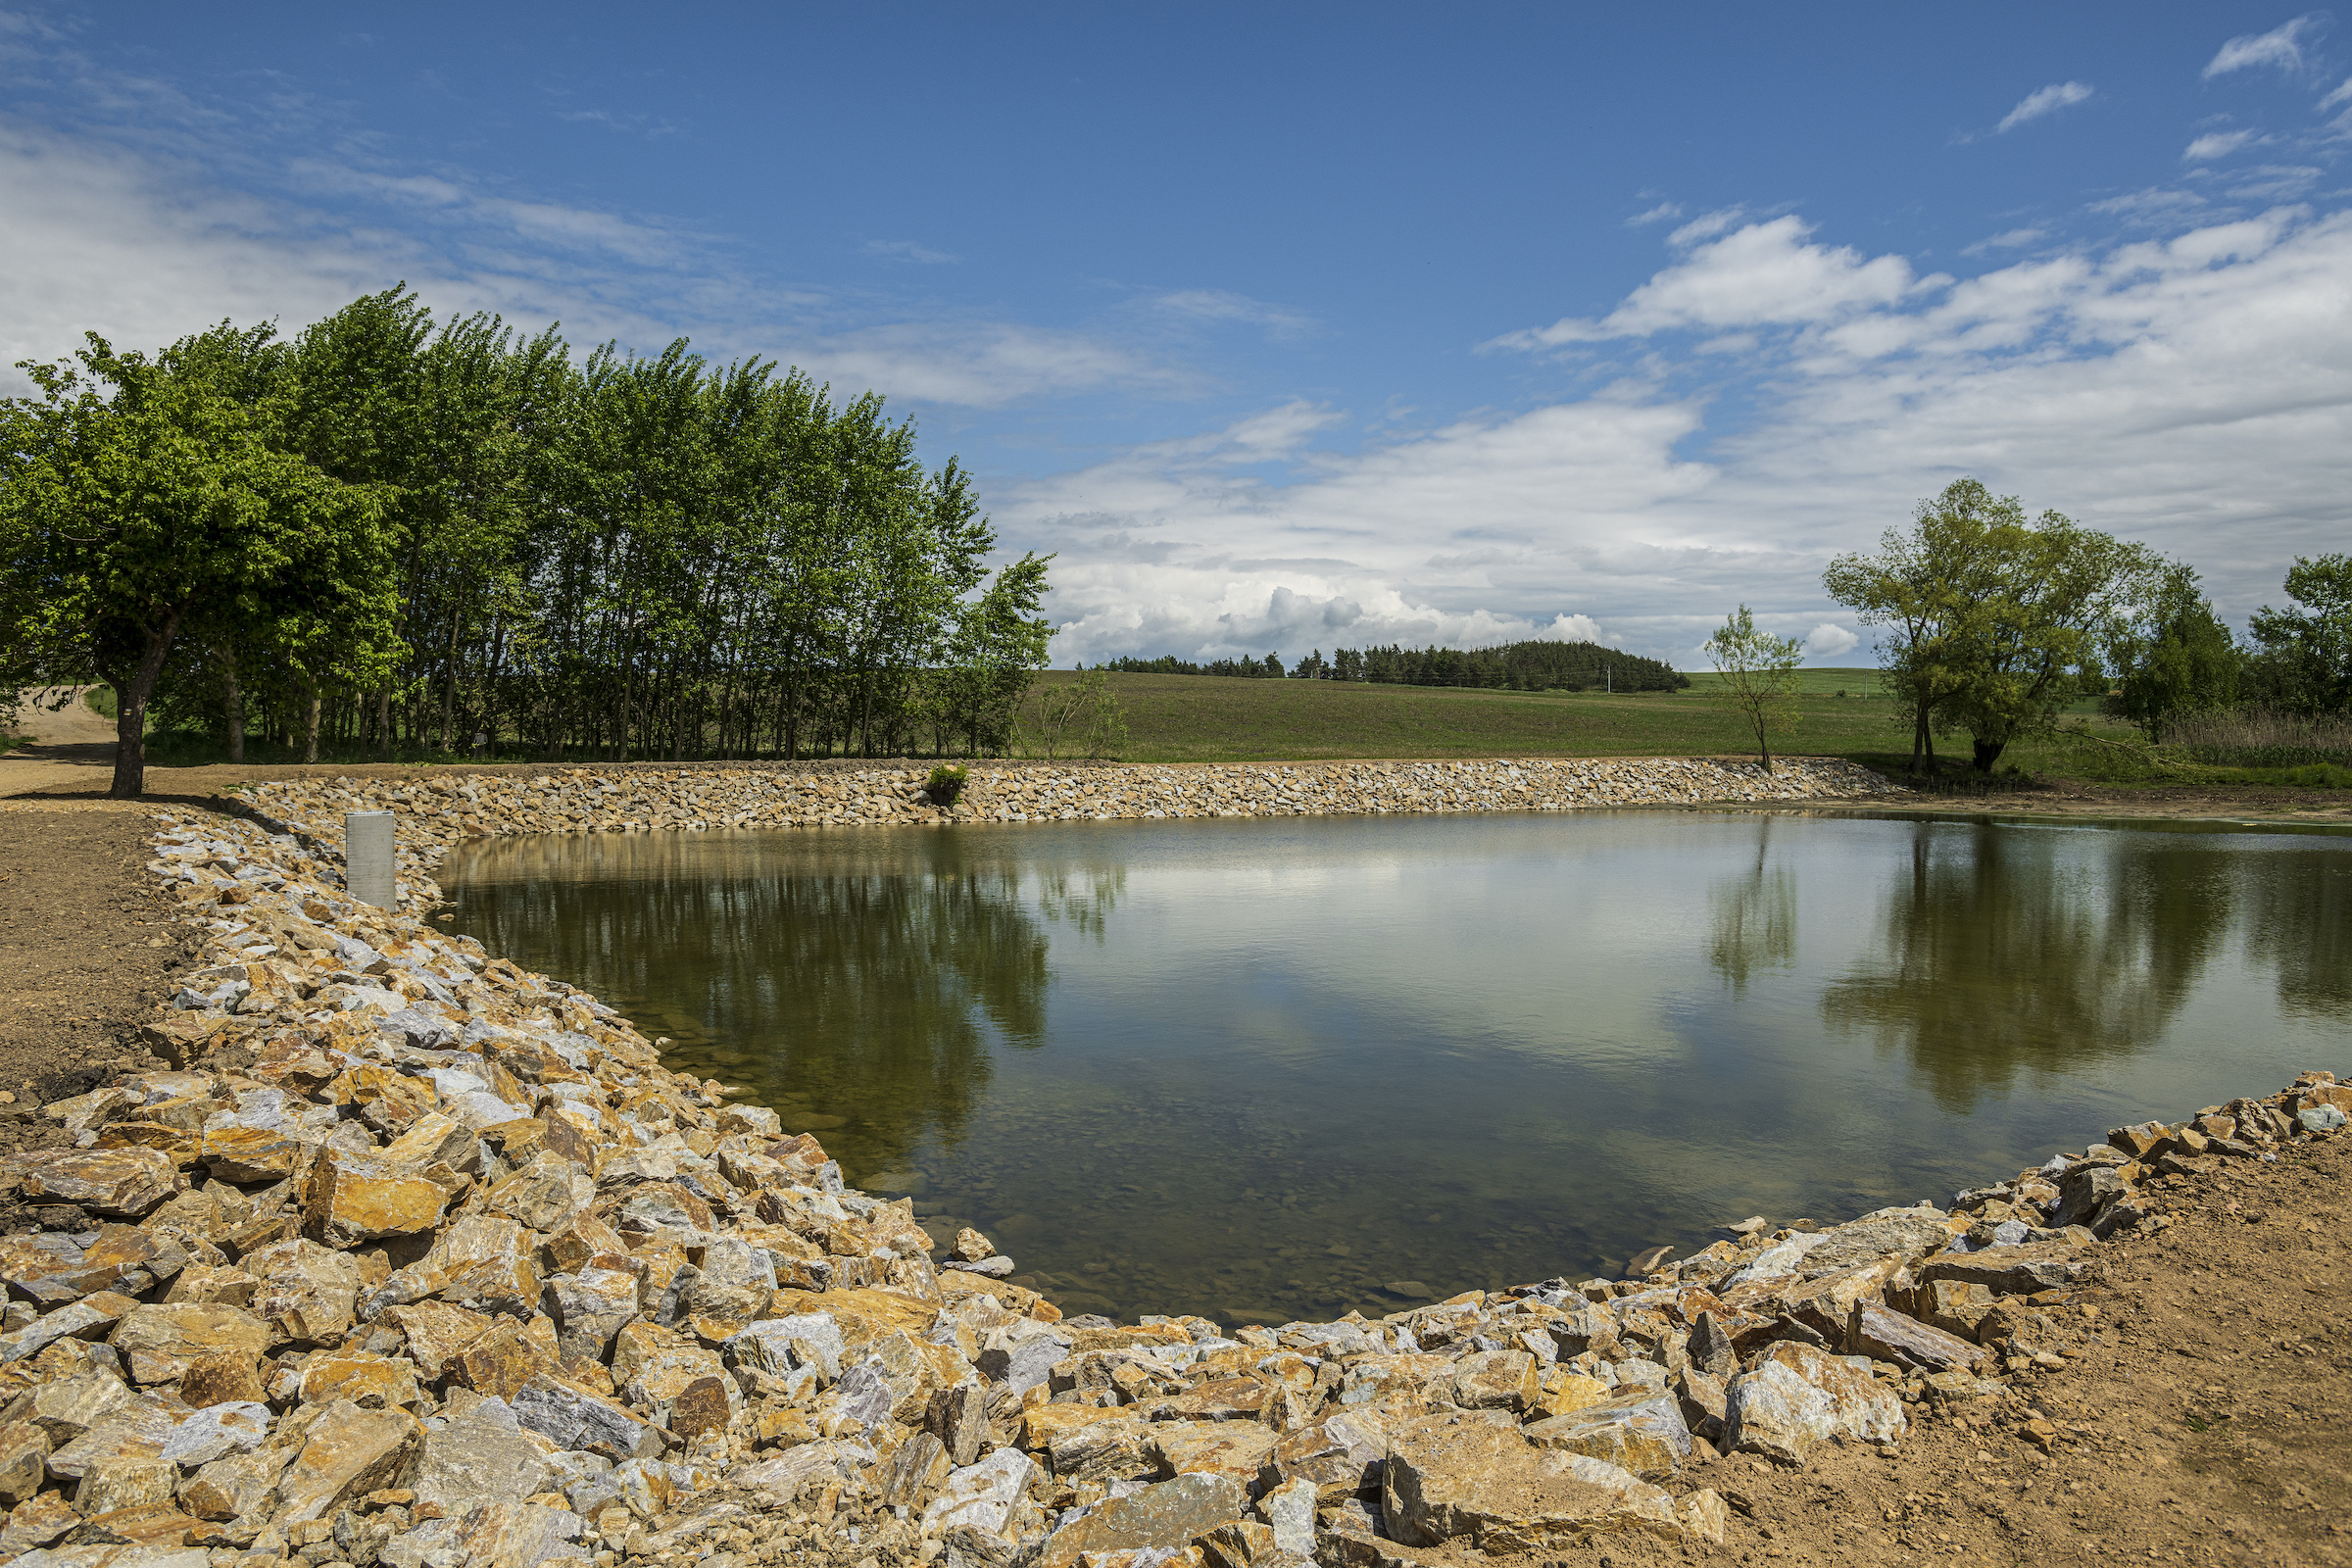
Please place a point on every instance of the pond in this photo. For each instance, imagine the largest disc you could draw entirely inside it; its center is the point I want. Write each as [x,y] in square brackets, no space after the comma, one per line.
[1264,1070]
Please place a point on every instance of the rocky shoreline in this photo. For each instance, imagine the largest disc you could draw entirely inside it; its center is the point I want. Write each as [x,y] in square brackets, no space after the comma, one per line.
[442,811]
[407,1257]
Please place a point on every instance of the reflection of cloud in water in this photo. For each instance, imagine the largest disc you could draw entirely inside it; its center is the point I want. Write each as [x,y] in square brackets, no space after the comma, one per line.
[1994,959]
[848,973]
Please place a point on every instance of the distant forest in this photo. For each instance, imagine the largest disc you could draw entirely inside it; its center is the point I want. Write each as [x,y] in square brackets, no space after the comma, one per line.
[1529,666]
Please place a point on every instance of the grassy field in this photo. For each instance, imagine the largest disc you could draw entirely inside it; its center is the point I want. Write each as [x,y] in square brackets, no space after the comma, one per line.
[1858,683]
[1207,718]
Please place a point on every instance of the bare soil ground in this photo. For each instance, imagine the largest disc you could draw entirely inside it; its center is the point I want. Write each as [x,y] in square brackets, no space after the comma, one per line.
[2200,1417]
[86,953]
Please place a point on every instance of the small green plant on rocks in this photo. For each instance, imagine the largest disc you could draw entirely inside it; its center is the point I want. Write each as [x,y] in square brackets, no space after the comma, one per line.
[945,783]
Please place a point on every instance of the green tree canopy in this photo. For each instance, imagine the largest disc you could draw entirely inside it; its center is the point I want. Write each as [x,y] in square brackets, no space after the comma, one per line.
[2173,656]
[1759,677]
[147,501]
[1993,620]
[2304,659]
[401,532]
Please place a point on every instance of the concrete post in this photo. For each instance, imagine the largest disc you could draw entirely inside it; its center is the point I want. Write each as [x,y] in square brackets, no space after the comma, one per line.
[367,856]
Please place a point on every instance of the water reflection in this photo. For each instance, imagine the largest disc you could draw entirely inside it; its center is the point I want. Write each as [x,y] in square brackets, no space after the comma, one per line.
[2299,920]
[2002,951]
[1264,1068]
[853,985]
[1754,922]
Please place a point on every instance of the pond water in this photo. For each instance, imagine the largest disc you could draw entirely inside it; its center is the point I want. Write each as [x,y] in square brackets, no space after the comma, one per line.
[1272,1069]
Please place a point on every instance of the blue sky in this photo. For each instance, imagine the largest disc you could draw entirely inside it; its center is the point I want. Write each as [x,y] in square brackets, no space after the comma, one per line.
[1314,326]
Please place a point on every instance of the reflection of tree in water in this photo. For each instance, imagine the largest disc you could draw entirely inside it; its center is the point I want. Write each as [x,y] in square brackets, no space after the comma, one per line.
[1754,916]
[1081,897]
[1996,959]
[863,979]
[2299,920]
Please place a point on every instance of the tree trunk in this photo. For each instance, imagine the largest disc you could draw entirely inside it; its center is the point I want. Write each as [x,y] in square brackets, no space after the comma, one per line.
[309,720]
[1987,754]
[130,713]
[234,706]
[383,722]
[1921,745]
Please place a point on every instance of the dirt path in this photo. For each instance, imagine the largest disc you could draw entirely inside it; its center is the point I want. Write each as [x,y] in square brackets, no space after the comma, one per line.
[85,948]
[73,748]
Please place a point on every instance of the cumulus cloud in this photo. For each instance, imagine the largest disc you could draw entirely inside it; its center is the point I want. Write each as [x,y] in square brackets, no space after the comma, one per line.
[2043,101]
[2187,389]
[2282,46]
[1762,275]
[1829,639]
[1667,211]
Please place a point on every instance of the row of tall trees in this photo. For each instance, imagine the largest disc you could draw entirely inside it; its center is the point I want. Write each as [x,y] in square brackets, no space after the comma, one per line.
[1535,666]
[406,534]
[1991,621]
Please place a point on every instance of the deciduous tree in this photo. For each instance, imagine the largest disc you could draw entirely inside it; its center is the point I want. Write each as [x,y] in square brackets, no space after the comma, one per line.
[1759,677]
[147,499]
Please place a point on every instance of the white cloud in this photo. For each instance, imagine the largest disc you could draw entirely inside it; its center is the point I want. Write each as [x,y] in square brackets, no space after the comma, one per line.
[2274,182]
[144,249]
[1666,211]
[2006,240]
[2282,46]
[1216,305]
[1707,226]
[973,364]
[2195,391]
[2043,101]
[1765,274]
[2341,95]
[2215,144]
[1829,639]
[2155,208]
[906,250]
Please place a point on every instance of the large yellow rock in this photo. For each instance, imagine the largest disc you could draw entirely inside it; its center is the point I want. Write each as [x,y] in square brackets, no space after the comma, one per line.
[1470,1476]
[350,1452]
[1236,1449]
[127,1182]
[389,1102]
[864,1315]
[251,1154]
[1563,1393]
[159,1341]
[355,1198]
[371,1382]
[306,1291]
[500,1362]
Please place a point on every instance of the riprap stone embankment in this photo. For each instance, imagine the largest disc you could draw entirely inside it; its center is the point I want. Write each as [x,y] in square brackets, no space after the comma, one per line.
[409,1259]
[444,810]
